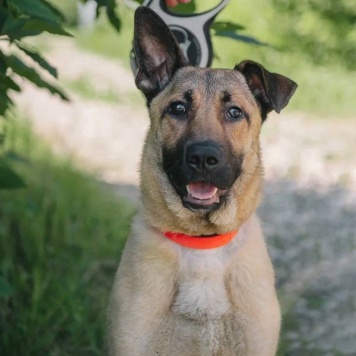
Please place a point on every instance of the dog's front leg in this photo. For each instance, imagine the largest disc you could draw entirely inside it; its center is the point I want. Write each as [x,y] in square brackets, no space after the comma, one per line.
[142,295]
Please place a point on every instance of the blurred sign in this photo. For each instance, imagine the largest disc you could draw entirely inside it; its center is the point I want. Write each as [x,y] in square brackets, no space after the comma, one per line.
[190,30]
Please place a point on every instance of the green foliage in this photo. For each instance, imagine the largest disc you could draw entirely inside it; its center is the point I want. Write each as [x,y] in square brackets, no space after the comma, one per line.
[5,288]
[324,30]
[20,68]
[33,53]
[231,30]
[9,179]
[23,18]
[60,242]
[20,19]
[104,40]
[109,7]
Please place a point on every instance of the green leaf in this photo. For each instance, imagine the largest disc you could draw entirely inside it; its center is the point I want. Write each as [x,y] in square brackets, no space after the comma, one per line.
[4,13]
[3,66]
[35,8]
[8,178]
[36,26]
[5,288]
[54,9]
[5,102]
[14,10]
[230,29]
[31,52]
[30,18]
[14,157]
[12,25]
[113,18]
[20,68]
[241,38]
[226,26]
[110,6]
[7,83]
[26,26]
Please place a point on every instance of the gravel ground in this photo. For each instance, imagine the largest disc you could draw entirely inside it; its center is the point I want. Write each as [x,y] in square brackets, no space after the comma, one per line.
[309,206]
[309,216]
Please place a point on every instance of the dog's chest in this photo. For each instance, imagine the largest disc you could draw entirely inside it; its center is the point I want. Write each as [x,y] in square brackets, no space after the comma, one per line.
[201,291]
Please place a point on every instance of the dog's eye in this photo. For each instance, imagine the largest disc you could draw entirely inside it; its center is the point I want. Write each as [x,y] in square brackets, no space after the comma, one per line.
[234,114]
[177,109]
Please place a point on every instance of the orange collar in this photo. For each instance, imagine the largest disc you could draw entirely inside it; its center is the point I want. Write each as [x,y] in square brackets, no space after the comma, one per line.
[201,242]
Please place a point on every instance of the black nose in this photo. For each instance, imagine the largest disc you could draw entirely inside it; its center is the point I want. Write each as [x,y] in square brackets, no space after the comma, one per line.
[204,155]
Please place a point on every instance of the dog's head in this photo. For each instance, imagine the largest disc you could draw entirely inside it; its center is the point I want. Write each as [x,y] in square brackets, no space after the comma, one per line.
[201,164]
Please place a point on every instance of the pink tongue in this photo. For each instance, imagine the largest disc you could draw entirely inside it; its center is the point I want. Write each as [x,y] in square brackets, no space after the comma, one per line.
[201,190]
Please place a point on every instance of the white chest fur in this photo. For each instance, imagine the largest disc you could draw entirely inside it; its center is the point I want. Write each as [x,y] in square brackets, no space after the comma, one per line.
[201,290]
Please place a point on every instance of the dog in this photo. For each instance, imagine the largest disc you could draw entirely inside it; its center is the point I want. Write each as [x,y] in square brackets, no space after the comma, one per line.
[195,277]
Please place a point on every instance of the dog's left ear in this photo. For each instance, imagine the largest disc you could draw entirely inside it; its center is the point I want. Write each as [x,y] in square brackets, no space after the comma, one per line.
[157,52]
[271,90]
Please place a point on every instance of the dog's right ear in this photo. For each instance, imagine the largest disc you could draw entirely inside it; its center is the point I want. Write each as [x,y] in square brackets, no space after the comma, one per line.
[158,54]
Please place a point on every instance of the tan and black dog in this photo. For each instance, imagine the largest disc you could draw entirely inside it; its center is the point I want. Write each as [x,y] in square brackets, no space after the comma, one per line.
[195,278]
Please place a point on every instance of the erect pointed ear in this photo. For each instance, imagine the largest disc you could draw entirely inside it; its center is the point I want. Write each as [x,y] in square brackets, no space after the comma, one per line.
[158,54]
[271,90]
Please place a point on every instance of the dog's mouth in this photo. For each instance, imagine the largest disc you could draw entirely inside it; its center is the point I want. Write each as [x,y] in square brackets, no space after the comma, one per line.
[202,173]
[202,195]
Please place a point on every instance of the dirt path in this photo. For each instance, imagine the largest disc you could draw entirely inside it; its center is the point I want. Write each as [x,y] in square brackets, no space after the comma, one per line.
[105,137]
[309,209]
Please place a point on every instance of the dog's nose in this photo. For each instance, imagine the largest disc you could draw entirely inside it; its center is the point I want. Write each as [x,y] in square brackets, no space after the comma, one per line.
[203,155]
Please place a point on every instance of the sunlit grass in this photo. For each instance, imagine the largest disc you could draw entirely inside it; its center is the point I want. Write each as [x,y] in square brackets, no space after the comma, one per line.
[86,89]
[60,242]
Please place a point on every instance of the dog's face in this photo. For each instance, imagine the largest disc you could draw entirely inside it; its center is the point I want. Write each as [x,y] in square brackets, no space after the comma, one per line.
[205,123]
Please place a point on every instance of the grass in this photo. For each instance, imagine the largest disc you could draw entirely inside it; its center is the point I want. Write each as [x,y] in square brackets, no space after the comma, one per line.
[324,90]
[103,39]
[60,242]
[86,89]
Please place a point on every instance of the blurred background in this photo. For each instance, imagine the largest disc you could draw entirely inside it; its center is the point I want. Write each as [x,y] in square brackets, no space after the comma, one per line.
[67,201]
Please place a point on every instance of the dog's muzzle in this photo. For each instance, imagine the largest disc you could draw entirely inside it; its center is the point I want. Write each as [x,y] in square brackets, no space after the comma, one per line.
[201,172]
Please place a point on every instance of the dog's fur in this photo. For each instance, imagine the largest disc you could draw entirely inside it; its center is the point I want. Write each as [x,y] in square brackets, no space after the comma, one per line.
[176,301]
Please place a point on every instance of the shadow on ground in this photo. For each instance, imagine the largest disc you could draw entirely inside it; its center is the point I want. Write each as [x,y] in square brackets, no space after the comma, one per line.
[311,235]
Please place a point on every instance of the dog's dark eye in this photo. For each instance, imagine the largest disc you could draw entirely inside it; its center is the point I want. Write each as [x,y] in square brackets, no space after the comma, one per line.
[234,114]
[177,109]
